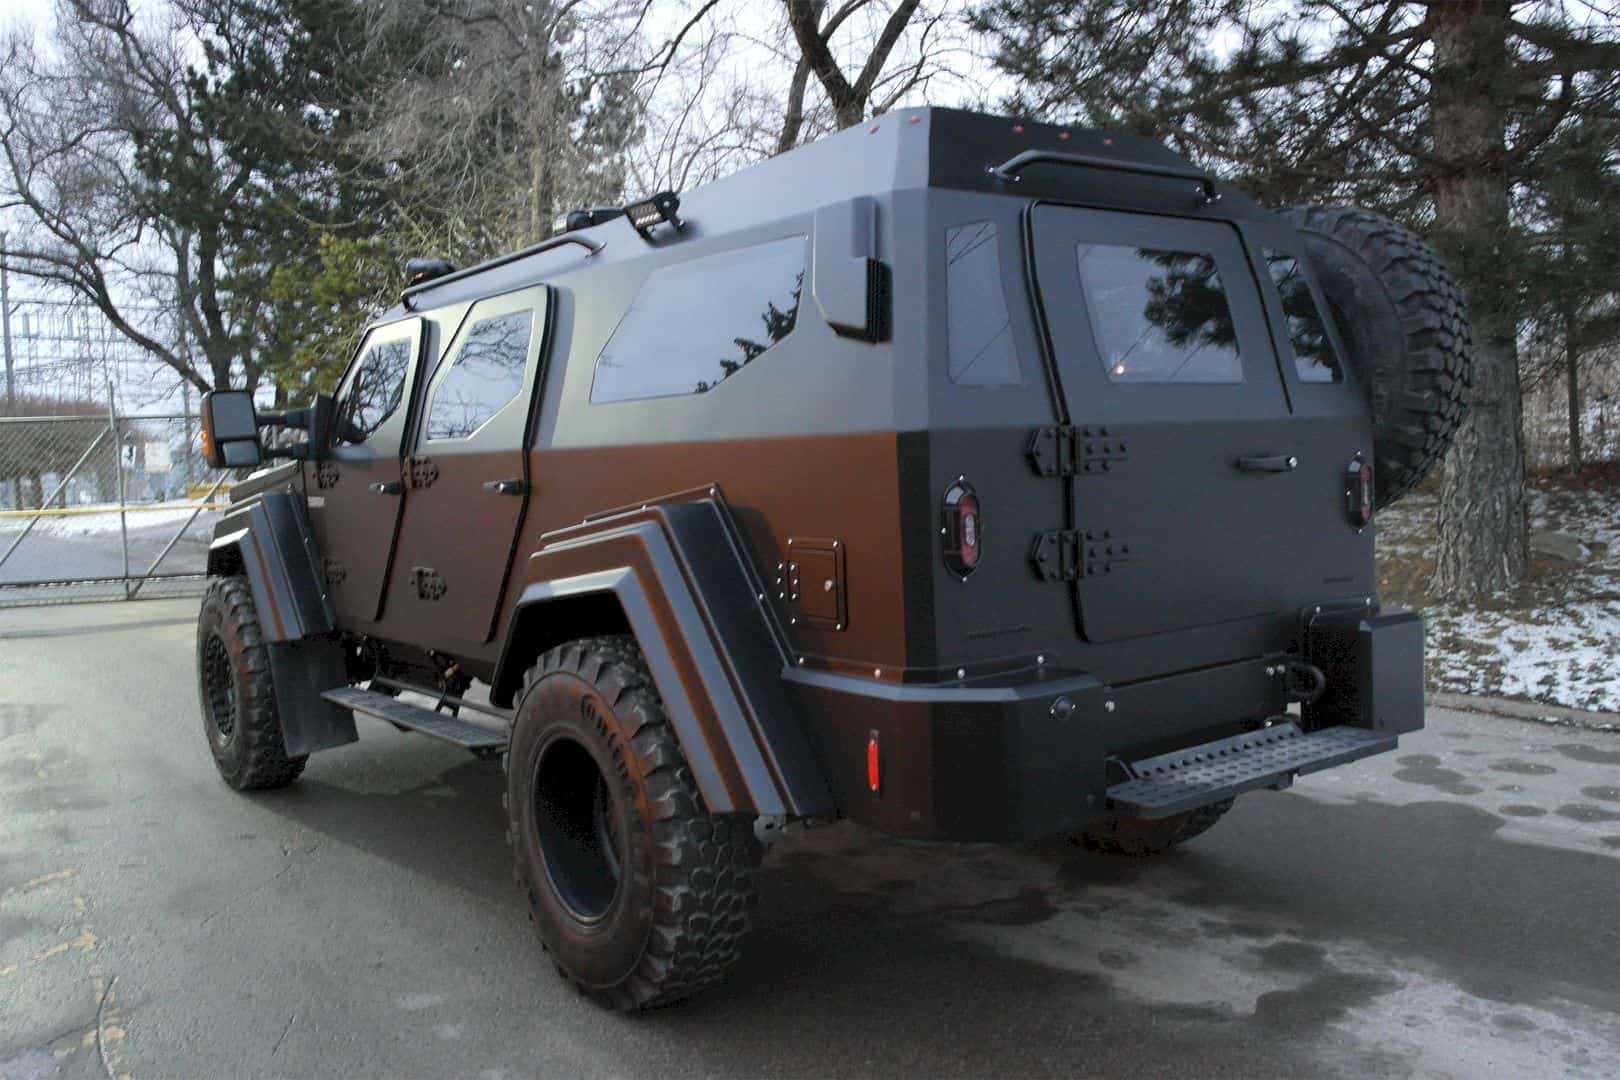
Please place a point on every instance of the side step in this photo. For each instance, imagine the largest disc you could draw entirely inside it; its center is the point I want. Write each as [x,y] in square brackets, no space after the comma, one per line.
[475,737]
[1272,757]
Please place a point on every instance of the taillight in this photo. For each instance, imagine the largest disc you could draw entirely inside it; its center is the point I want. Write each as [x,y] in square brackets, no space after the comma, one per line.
[962,528]
[1358,492]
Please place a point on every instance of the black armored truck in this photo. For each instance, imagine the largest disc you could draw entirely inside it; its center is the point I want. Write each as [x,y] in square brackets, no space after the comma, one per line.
[966,478]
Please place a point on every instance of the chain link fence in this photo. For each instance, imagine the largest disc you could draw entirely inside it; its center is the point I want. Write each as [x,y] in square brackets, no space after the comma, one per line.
[104,507]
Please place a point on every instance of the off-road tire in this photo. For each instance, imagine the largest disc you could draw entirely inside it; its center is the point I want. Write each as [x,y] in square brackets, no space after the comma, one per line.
[1405,323]
[1137,837]
[237,695]
[683,879]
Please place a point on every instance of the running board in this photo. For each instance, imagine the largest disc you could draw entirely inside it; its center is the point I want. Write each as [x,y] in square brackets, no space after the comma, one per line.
[475,737]
[1271,757]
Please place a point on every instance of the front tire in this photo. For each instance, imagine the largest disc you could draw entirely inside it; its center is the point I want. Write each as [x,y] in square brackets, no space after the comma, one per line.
[237,694]
[641,896]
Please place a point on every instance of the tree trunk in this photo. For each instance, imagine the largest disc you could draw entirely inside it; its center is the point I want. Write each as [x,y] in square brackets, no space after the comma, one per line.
[1572,358]
[1482,526]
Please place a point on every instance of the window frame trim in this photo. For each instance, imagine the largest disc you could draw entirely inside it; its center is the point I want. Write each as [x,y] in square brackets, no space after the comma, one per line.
[413,327]
[532,298]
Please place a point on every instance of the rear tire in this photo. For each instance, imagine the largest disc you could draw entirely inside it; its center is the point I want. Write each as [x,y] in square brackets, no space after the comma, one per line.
[1405,323]
[237,695]
[1140,838]
[641,896]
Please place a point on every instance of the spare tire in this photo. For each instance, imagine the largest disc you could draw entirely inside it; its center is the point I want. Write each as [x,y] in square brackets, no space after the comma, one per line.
[1403,319]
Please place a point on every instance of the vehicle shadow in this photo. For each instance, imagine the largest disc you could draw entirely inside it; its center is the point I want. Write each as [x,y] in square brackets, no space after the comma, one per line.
[876,955]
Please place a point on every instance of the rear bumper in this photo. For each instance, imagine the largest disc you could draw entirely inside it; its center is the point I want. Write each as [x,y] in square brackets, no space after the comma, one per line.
[1043,756]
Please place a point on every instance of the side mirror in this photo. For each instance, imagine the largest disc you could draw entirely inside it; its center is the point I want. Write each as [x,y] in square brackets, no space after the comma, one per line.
[230,430]
[322,414]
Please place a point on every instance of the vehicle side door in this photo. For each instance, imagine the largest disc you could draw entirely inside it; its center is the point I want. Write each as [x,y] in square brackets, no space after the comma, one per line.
[356,490]
[468,476]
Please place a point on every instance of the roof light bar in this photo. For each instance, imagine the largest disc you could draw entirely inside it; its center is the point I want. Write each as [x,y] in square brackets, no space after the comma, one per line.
[654,211]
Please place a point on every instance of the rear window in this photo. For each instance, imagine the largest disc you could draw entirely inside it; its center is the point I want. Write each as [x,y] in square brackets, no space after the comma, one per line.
[697,323]
[1159,316]
[1314,357]
[980,338]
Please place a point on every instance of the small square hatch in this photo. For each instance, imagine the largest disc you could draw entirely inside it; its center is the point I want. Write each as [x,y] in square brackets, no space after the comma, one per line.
[812,582]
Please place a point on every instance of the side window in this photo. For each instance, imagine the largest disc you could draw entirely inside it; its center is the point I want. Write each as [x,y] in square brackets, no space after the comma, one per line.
[1159,316]
[373,390]
[1314,357]
[979,331]
[695,324]
[484,373]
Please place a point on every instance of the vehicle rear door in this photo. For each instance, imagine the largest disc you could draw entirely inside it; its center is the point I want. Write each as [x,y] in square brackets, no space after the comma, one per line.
[1197,496]
[355,490]
[468,475]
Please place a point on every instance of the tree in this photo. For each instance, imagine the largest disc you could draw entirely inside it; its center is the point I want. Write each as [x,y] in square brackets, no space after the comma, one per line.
[1443,114]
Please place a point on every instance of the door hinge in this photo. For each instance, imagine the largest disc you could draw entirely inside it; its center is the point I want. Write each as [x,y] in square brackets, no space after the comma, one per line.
[423,472]
[1068,554]
[429,585]
[1076,451]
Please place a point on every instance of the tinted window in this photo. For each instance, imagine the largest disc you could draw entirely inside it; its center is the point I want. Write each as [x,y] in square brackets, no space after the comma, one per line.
[1159,316]
[1314,357]
[485,373]
[695,324]
[373,391]
[980,334]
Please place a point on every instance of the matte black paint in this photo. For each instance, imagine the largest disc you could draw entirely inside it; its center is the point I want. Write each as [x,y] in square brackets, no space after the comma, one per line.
[848,430]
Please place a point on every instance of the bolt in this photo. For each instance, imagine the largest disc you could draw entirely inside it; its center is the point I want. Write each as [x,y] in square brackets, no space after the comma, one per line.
[1108,706]
[827,586]
[877,673]
[792,621]
[961,673]
[1062,709]
[1040,660]
[801,661]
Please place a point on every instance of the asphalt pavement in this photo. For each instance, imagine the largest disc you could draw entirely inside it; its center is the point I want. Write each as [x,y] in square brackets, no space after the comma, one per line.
[1451,909]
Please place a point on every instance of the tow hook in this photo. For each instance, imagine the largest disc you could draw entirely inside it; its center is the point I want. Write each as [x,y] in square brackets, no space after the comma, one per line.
[1303,682]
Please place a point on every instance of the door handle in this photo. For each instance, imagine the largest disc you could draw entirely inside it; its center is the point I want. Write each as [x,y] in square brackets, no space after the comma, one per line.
[514,486]
[388,487]
[1268,463]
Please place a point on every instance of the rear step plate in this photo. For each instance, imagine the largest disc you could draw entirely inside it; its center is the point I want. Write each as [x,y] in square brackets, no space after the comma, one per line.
[474,737]
[1272,757]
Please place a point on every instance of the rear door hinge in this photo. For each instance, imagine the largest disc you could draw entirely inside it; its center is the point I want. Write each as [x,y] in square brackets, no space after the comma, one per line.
[423,472]
[1061,450]
[1068,554]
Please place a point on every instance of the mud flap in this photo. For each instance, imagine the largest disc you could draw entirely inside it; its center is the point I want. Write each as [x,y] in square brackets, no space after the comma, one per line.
[301,671]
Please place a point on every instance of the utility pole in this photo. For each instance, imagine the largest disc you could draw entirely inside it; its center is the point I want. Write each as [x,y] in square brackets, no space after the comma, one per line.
[5,326]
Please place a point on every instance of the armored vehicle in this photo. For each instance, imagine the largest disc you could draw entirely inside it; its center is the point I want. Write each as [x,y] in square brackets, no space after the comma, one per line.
[965,478]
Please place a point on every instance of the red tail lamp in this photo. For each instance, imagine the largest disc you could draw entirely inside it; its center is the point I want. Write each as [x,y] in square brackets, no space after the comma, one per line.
[1358,492]
[962,528]
[874,777]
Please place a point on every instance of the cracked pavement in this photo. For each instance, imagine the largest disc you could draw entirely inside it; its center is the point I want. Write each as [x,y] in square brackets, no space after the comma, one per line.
[1445,910]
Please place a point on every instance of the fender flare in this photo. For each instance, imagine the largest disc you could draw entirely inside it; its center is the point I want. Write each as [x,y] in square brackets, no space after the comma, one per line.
[268,541]
[687,592]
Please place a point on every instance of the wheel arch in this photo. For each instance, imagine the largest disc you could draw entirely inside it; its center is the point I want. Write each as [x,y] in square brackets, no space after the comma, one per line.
[669,576]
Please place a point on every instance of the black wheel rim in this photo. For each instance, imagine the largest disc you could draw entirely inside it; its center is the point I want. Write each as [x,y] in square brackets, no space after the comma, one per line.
[580,842]
[219,689]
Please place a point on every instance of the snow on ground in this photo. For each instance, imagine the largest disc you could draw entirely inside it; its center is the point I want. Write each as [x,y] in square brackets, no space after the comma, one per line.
[1554,639]
[143,516]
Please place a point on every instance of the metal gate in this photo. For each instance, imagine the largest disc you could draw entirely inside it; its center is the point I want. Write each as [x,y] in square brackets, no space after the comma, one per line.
[104,507]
